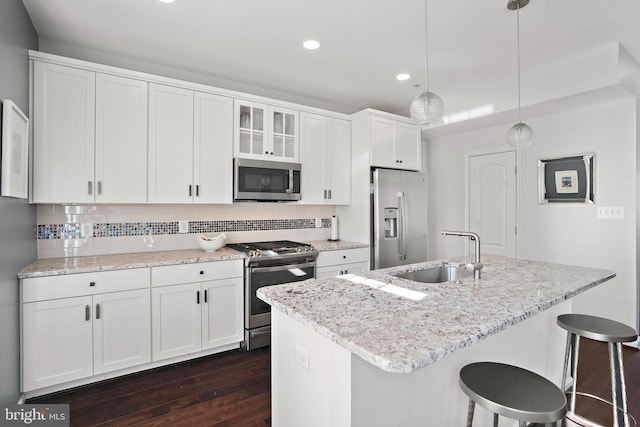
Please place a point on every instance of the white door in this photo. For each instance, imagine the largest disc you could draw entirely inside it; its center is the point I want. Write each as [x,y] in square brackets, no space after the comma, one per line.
[213,149]
[63,134]
[492,202]
[121,140]
[408,146]
[170,144]
[313,137]
[175,317]
[338,158]
[222,315]
[57,342]
[121,330]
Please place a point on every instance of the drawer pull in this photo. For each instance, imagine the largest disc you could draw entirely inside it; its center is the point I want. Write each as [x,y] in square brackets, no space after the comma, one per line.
[87,313]
[92,284]
[202,272]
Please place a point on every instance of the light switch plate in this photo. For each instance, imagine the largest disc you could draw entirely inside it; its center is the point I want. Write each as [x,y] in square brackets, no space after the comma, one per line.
[610,212]
[183,226]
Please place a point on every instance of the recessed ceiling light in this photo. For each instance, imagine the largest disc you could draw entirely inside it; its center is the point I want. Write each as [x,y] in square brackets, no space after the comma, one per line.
[311,44]
[166,1]
[403,76]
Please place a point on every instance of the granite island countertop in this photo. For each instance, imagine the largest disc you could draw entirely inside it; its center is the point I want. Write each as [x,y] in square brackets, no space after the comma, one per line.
[401,335]
[89,264]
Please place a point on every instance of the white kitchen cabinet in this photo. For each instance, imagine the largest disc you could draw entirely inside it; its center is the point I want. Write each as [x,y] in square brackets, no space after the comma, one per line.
[325,147]
[63,134]
[265,132]
[90,136]
[190,157]
[81,325]
[196,307]
[121,140]
[395,144]
[344,261]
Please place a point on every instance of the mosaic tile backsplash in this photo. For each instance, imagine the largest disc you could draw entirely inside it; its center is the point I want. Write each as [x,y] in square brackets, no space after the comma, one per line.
[76,231]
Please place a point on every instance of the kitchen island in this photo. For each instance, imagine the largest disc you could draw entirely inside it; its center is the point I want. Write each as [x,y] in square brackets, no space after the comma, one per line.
[346,352]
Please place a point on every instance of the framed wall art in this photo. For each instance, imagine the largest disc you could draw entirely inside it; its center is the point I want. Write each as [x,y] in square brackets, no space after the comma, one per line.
[567,179]
[15,151]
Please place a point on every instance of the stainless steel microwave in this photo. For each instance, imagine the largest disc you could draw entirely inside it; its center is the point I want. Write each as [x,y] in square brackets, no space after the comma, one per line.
[264,180]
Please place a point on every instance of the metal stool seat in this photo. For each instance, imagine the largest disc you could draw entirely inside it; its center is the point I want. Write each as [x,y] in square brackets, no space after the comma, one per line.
[512,392]
[604,330]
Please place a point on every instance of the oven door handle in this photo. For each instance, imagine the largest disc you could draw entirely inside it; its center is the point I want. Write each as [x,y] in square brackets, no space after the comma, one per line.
[263,331]
[281,267]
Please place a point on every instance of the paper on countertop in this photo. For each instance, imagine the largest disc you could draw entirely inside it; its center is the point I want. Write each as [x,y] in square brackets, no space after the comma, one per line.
[392,289]
[297,272]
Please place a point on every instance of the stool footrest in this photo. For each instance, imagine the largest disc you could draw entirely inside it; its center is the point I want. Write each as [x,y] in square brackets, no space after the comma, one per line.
[581,421]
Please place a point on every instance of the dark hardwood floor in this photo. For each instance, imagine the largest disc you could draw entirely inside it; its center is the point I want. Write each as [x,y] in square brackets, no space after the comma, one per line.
[227,389]
[233,389]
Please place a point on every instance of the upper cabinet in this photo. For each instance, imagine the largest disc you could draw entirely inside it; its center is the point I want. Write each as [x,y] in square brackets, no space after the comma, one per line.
[190,158]
[89,136]
[395,144]
[325,152]
[265,132]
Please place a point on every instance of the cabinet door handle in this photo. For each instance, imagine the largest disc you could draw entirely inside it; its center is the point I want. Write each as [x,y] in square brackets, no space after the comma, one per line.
[87,313]
[329,194]
[197,190]
[99,187]
[198,297]
[90,187]
[206,296]
[97,311]
[190,190]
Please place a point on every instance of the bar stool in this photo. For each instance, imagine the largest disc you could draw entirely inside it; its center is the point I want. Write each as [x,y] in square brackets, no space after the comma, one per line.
[604,330]
[512,392]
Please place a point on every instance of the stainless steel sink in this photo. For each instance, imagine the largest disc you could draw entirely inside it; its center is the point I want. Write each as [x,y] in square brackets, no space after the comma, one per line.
[439,273]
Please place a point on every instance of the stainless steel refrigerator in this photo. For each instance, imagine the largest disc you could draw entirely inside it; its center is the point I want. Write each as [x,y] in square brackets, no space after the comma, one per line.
[398,218]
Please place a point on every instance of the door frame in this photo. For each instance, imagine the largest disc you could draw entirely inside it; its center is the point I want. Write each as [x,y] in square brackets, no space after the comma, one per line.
[467,172]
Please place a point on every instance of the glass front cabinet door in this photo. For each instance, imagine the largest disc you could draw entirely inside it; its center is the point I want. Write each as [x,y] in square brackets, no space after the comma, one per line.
[265,132]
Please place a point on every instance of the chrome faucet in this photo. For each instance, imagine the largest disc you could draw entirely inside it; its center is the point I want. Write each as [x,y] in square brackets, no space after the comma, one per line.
[477,265]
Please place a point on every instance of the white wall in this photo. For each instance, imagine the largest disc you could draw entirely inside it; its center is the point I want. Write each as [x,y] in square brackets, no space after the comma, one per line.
[563,233]
[17,217]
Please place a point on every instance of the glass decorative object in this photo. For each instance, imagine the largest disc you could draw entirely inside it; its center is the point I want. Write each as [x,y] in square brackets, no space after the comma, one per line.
[427,109]
[519,135]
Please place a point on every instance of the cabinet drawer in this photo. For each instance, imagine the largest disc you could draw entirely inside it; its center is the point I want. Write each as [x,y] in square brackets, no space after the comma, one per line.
[74,285]
[198,272]
[346,256]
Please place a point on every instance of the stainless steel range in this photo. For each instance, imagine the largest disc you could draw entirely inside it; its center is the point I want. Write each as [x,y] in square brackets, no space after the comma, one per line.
[270,263]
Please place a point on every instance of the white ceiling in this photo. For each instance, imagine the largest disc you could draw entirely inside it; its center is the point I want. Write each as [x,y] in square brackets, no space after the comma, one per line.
[365,43]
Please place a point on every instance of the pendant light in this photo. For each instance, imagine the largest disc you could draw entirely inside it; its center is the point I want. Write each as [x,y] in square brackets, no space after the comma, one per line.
[427,108]
[520,134]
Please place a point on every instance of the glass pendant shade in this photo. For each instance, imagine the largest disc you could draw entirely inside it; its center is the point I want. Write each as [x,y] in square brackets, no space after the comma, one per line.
[519,135]
[427,109]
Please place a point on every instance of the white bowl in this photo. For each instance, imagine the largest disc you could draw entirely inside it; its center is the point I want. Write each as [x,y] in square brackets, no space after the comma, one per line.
[211,243]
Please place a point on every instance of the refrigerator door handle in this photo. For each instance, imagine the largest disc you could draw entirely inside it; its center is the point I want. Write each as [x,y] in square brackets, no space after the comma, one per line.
[402,241]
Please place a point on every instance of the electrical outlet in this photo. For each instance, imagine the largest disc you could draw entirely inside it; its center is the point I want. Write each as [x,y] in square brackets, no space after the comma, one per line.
[301,357]
[183,226]
[318,222]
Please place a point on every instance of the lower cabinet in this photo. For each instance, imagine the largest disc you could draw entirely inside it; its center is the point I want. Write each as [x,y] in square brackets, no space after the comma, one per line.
[196,307]
[345,261]
[71,338]
[81,328]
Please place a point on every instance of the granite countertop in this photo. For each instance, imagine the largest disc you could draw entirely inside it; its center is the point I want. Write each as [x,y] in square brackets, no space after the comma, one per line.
[402,335]
[89,264]
[328,245]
